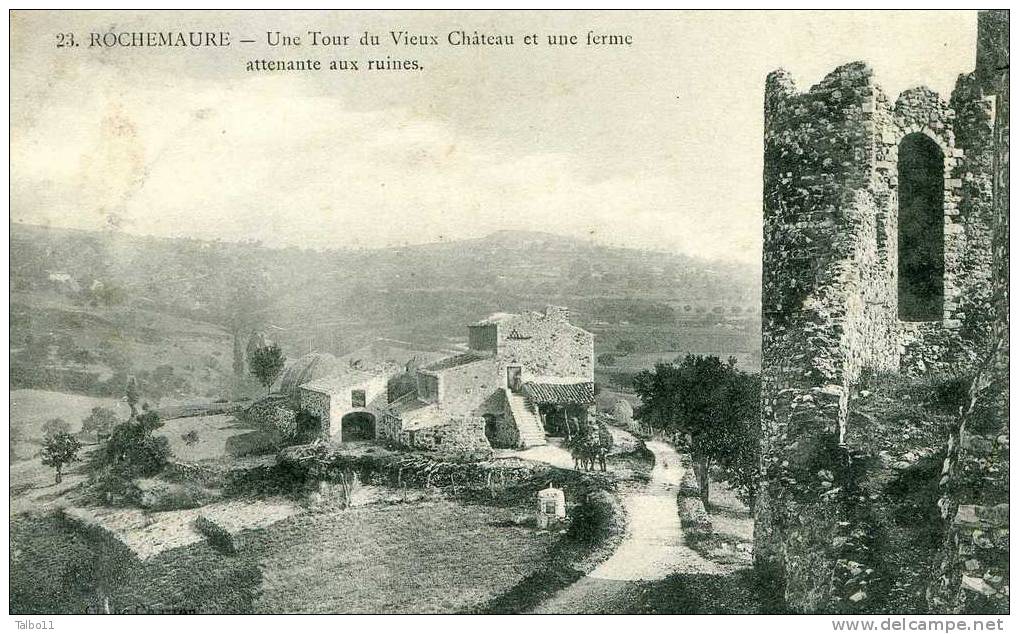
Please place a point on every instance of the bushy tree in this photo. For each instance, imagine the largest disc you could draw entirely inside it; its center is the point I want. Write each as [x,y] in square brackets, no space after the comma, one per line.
[133,450]
[59,449]
[713,406]
[100,422]
[55,426]
[266,363]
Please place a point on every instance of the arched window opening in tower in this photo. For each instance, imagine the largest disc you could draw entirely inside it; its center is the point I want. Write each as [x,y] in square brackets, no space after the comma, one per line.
[921,229]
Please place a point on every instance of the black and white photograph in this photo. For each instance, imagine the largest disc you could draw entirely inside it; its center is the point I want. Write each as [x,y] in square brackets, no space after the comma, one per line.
[544,312]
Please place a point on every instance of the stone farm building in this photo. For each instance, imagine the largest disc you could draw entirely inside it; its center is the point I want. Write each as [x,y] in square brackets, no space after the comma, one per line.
[523,376]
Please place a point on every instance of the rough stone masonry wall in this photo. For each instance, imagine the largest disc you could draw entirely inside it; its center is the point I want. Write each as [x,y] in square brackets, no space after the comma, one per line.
[319,405]
[465,388]
[274,415]
[819,218]
[972,574]
[462,435]
[830,302]
[549,346]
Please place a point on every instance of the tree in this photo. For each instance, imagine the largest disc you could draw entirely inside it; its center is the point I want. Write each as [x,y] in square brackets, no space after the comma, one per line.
[99,422]
[622,411]
[266,363]
[55,426]
[59,449]
[713,405]
[133,450]
[190,438]
[132,393]
[607,358]
[241,292]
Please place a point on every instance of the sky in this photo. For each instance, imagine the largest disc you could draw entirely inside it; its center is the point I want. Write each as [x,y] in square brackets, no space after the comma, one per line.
[655,145]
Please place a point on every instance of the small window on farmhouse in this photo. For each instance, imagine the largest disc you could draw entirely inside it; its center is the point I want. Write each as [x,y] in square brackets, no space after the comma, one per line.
[357,398]
[921,229]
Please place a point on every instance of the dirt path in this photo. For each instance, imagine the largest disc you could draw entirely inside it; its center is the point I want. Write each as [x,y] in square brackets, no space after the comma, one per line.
[551,453]
[652,549]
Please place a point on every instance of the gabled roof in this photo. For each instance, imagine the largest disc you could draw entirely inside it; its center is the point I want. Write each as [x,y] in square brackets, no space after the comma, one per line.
[309,368]
[340,382]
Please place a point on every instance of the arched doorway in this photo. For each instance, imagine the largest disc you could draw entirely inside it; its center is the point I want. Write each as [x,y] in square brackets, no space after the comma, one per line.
[357,426]
[921,228]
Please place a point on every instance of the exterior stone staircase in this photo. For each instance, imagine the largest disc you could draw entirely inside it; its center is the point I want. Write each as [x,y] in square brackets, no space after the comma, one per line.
[525,415]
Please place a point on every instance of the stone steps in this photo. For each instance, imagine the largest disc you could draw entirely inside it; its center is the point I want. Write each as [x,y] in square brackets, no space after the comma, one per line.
[530,431]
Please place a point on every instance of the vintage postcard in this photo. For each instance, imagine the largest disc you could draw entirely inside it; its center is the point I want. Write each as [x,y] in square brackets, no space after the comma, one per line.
[510,312]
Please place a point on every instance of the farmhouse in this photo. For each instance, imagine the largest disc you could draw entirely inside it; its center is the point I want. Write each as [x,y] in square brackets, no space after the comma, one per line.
[522,377]
[345,398]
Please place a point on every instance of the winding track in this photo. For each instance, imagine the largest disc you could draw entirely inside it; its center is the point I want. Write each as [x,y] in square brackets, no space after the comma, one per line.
[652,549]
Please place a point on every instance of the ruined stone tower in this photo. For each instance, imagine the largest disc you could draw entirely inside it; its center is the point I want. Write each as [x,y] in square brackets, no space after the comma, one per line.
[880,225]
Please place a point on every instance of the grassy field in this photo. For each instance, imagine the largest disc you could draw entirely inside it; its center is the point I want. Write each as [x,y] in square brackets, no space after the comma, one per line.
[730,541]
[429,558]
[219,436]
[426,557]
[30,409]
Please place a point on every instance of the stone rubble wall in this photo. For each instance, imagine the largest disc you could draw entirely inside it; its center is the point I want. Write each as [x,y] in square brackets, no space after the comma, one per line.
[462,435]
[273,415]
[465,388]
[548,346]
[830,306]
[972,574]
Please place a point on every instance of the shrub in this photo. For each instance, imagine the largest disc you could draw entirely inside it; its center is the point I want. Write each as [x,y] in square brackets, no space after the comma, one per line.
[131,452]
[594,519]
[160,495]
[626,346]
[217,536]
[99,422]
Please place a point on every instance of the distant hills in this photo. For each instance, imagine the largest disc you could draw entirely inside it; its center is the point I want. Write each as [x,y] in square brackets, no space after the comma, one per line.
[340,300]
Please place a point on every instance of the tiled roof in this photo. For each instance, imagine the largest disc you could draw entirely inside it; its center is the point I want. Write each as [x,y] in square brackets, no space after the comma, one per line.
[560,393]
